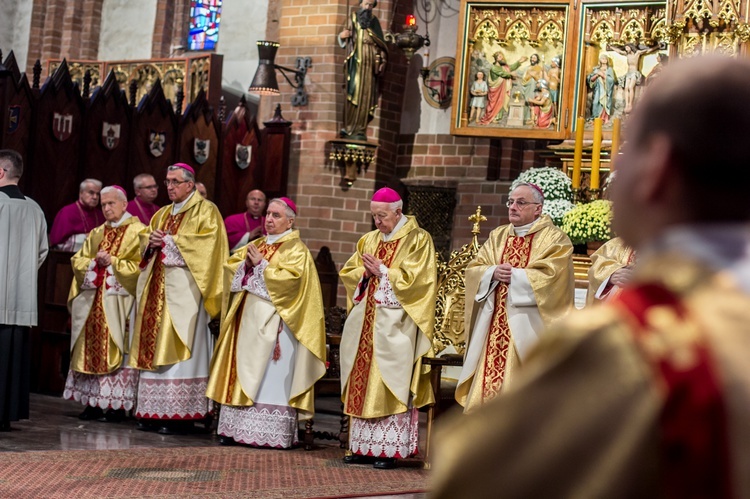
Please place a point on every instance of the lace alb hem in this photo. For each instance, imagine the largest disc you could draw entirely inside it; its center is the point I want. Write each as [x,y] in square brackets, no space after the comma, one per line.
[261,425]
[394,436]
[108,391]
[172,398]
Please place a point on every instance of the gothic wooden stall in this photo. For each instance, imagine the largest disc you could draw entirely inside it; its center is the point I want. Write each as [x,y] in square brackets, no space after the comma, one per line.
[65,135]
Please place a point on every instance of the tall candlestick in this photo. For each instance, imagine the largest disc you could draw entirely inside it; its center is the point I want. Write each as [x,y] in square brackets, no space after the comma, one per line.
[578,154]
[596,153]
[615,143]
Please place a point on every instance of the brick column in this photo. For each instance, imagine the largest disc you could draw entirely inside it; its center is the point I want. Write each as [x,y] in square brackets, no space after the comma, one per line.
[64,29]
[170,28]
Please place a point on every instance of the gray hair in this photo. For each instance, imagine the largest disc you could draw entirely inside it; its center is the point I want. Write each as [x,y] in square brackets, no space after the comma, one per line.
[535,193]
[138,180]
[186,175]
[289,212]
[396,205]
[15,163]
[118,192]
[97,183]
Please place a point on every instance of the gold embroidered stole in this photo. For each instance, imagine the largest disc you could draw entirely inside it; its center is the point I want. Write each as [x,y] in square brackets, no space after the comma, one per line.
[357,387]
[96,340]
[268,251]
[517,252]
[153,312]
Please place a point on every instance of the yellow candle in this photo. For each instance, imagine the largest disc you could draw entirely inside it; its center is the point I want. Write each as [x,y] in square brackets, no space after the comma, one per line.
[596,153]
[578,154]
[615,143]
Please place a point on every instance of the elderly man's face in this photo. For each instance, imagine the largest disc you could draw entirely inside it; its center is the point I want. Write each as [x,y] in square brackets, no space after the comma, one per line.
[255,202]
[385,218]
[113,206]
[367,4]
[523,208]
[178,189]
[89,195]
[148,190]
[277,221]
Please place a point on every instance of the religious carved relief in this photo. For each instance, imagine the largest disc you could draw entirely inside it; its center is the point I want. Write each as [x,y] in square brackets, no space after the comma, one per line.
[623,49]
[698,26]
[511,78]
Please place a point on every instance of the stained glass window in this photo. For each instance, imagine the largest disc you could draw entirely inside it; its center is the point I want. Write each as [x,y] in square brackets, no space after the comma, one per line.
[205,16]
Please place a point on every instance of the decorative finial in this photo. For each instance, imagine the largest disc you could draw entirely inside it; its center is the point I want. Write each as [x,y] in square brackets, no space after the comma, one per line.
[477,218]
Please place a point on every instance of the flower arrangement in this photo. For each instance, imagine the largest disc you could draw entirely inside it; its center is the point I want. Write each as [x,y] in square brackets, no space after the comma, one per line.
[556,209]
[588,222]
[554,183]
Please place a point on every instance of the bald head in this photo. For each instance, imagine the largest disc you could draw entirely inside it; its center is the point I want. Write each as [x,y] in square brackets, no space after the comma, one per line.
[687,138]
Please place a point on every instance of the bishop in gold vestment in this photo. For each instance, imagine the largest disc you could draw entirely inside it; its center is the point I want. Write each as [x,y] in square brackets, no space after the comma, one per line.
[101,301]
[391,288]
[613,256]
[179,291]
[506,313]
[272,346]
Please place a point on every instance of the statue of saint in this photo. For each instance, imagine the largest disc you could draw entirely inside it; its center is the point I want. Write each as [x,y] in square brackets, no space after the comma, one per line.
[633,77]
[365,62]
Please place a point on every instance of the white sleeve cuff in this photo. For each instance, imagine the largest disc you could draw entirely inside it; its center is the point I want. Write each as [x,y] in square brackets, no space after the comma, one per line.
[256,284]
[520,292]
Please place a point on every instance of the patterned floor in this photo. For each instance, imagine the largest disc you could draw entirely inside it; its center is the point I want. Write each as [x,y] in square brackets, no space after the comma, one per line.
[93,459]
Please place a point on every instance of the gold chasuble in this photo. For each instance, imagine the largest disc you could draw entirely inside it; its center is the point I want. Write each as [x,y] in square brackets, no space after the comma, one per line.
[99,316]
[645,395]
[612,256]
[161,334]
[492,357]
[250,326]
[382,346]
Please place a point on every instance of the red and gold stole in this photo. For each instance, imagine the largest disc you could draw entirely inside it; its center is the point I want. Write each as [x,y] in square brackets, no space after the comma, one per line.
[357,387]
[517,252]
[153,312]
[96,330]
[268,251]
[693,444]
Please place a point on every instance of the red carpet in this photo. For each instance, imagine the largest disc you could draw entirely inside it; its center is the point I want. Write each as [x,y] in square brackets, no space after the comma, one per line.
[200,472]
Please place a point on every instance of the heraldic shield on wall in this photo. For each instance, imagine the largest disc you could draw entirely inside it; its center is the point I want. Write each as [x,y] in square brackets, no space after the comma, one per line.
[510,69]
[110,135]
[242,156]
[201,150]
[157,141]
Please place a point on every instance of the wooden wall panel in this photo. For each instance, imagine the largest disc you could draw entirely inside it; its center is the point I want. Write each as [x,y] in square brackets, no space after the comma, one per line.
[103,159]
[241,129]
[55,157]
[199,123]
[154,115]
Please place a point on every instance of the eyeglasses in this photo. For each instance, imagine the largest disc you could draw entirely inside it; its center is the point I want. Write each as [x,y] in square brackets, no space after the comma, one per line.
[175,182]
[151,186]
[520,203]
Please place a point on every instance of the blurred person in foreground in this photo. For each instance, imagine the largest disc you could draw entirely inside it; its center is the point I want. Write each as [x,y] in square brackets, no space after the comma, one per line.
[647,395]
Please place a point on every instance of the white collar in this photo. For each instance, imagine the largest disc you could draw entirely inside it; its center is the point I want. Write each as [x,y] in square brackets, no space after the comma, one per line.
[124,217]
[176,207]
[522,230]
[272,238]
[402,221]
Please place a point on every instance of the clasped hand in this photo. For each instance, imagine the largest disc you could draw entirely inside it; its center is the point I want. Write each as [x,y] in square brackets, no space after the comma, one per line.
[502,273]
[156,238]
[254,256]
[372,265]
[103,259]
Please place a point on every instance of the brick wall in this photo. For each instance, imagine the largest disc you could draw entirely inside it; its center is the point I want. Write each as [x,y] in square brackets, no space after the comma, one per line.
[170,28]
[64,28]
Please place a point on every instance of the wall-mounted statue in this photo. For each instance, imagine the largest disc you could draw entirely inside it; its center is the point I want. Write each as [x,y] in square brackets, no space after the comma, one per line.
[367,54]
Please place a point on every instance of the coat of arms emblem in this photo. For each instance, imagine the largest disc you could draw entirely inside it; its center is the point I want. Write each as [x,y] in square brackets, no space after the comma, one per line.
[62,126]
[14,118]
[156,143]
[110,135]
[201,148]
[242,155]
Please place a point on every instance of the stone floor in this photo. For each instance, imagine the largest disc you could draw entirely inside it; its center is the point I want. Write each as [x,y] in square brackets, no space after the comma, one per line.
[54,425]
